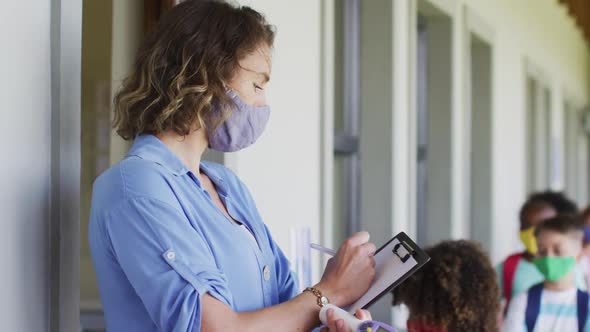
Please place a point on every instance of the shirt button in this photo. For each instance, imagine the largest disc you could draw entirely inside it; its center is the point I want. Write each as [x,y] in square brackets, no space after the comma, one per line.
[171,255]
[266,273]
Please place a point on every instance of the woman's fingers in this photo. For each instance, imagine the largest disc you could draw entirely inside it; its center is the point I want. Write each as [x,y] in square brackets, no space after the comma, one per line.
[335,324]
[369,248]
[331,323]
[338,325]
[363,314]
[349,274]
[357,239]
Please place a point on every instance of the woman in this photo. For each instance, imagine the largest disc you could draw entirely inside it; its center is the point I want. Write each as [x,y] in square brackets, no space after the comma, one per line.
[177,243]
[455,292]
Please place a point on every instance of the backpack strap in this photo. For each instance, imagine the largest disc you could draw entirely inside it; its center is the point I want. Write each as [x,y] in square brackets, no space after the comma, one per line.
[583,299]
[508,272]
[533,306]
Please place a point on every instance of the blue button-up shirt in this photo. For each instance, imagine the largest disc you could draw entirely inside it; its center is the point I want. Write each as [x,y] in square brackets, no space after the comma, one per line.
[159,243]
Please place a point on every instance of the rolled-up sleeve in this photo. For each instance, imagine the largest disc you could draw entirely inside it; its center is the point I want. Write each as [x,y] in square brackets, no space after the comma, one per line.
[166,260]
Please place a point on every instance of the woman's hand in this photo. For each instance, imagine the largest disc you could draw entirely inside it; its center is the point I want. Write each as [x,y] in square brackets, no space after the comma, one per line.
[349,274]
[363,314]
[338,325]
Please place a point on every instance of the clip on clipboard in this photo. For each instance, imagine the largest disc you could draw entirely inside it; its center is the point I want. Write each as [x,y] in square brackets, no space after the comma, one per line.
[395,261]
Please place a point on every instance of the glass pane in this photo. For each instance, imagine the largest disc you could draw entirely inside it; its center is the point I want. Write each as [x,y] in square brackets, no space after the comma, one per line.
[422,131]
[572,174]
[111,33]
[339,66]
[434,127]
[530,135]
[96,129]
[552,148]
[481,142]
[340,195]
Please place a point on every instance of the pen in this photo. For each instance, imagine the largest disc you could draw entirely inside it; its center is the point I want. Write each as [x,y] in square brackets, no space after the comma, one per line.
[323,249]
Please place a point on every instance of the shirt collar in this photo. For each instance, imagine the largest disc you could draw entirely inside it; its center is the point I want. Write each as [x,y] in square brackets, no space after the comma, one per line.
[211,172]
[149,147]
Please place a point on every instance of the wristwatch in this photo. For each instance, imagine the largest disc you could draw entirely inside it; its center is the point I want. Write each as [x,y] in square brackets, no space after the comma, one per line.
[321,299]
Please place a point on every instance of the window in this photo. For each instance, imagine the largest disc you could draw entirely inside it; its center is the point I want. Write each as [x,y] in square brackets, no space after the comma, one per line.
[111,34]
[576,154]
[434,108]
[538,135]
[480,103]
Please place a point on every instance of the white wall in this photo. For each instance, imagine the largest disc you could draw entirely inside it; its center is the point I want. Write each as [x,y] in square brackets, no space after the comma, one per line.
[25,126]
[282,170]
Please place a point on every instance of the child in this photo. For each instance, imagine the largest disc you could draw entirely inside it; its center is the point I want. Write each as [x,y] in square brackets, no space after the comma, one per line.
[556,304]
[517,273]
[455,292]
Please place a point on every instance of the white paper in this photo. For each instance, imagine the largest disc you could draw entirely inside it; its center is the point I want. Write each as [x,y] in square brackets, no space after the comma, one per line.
[388,269]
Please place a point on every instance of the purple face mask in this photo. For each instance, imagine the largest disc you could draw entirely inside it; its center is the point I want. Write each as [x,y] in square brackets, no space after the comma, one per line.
[241,129]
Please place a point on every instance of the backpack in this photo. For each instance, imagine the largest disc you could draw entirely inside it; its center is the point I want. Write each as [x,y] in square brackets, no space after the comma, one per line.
[508,272]
[533,307]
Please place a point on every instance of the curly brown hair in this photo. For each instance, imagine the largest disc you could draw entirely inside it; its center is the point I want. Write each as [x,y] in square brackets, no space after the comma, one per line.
[457,289]
[184,65]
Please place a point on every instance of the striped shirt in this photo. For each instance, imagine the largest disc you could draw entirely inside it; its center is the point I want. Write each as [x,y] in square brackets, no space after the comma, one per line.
[558,313]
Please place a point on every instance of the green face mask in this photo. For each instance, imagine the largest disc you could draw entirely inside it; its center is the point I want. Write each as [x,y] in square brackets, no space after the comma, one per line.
[554,268]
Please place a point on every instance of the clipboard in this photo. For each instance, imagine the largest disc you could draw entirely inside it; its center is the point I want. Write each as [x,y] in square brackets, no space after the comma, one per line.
[395,261]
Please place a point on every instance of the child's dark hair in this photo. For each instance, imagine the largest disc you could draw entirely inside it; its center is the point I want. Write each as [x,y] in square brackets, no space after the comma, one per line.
[532,206]
[457,289]
[558,200]
[563,224]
